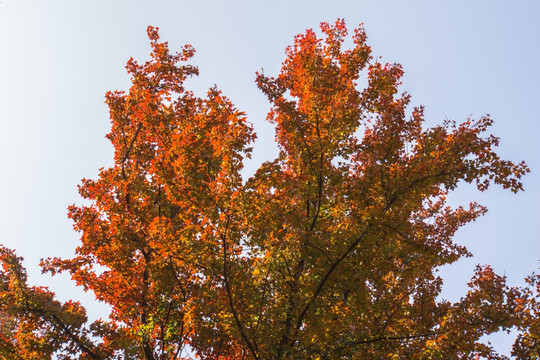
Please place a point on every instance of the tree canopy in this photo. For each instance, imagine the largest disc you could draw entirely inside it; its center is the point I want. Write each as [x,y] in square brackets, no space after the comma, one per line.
[329,251]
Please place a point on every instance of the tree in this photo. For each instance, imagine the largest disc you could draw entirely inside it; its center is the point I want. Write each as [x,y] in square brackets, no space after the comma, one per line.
[35,326]
[329,251]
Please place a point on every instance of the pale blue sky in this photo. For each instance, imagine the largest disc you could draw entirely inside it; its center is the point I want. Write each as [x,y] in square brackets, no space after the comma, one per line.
[58,58]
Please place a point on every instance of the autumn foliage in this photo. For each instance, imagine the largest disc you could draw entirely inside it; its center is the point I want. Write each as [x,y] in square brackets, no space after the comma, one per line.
[329,251]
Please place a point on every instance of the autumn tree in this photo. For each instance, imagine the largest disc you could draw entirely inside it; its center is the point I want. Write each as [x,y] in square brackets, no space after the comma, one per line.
[329,251]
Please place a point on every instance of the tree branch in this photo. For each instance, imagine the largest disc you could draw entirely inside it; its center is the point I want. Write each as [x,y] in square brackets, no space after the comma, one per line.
[239,324]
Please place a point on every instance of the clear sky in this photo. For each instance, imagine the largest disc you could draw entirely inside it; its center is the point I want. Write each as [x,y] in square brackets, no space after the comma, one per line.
[58,58]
